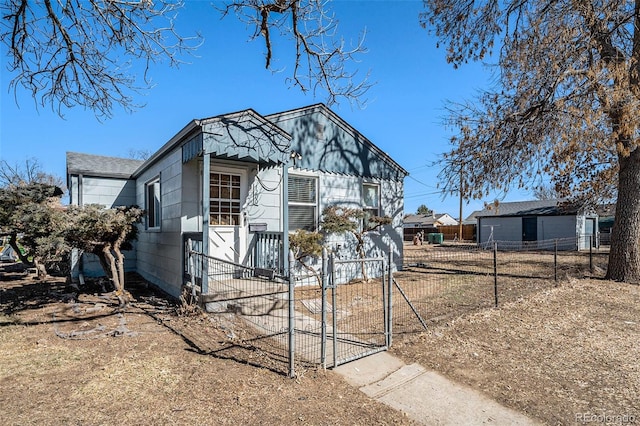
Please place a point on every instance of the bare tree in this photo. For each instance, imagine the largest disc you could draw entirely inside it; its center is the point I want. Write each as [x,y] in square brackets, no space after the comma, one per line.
[24,174]
[565,104]
[321,59]
[71,53]
[355,221]
[140,154]
[545,192]
[79,53]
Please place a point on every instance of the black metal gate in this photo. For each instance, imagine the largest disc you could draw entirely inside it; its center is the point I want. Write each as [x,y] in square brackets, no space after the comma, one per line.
[357,303]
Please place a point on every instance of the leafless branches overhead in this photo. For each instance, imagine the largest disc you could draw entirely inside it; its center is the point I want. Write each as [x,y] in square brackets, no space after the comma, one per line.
[78,52]
[321,61]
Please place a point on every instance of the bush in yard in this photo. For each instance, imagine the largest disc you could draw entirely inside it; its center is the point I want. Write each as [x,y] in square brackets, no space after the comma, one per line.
[105,233]
[355,221]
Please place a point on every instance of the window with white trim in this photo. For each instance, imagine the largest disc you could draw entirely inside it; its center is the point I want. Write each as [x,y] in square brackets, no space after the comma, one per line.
[370,200]
[224,201]
[303,203]
[154,206]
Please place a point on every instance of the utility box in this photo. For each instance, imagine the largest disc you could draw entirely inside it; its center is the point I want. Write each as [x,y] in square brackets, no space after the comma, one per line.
[435,238]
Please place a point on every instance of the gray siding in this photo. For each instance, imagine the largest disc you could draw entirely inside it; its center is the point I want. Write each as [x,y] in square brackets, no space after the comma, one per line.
[347,191]
[264,199]
[192,196]
[327,143]
[552,227]
[562,227]
[504,228]
[108,192]
[160,254]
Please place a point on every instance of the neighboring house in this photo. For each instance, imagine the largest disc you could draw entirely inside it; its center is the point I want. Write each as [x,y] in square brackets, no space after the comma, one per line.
[236,184]
[528,221]
[425,223]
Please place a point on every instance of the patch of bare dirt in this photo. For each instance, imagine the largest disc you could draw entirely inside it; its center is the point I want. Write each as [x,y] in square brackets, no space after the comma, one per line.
[565,355]
[561,355]
[69,357]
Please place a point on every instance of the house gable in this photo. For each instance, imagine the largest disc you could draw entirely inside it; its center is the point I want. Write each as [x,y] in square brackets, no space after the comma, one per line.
[325,142]
[97,179]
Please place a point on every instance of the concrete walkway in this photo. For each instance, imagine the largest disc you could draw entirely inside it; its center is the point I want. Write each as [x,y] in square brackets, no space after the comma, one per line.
[425,396]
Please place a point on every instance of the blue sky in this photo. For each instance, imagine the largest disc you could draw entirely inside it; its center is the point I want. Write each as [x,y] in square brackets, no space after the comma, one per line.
[403,116]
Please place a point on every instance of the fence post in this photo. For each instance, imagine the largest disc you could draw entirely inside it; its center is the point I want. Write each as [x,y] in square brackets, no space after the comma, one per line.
[591,253]
[292,322]
[390,299]
[495,272]
[191,269]
[334,320]
[555,261]
[323,325]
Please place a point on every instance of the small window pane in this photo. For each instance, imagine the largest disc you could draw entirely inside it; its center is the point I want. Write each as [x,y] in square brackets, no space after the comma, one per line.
[302,217]
[371,196]
[154,208]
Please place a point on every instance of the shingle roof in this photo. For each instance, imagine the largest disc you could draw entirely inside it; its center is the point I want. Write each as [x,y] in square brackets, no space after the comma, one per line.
[423,219]
[100,165]
[529,208]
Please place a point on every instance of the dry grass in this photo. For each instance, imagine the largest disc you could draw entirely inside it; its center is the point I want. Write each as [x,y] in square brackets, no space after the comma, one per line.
[554,355]
[79,362]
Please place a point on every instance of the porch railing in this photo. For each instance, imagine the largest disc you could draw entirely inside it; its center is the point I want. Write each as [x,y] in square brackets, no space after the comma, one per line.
[269,251]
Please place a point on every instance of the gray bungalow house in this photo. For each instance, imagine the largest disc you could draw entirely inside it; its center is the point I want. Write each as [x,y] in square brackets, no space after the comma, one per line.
[236,184]
[538,220]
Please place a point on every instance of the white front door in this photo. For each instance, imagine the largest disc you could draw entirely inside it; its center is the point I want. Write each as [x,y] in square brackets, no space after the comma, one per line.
[227,232]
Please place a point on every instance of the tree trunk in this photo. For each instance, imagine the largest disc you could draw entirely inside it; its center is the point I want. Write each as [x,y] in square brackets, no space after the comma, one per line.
[106,268]
[120,264]
[361,253]
[114,275]
[13,242]
[624,257]
[41,270]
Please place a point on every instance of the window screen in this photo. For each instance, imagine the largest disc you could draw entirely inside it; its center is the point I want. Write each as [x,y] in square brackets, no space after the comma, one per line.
[303,203]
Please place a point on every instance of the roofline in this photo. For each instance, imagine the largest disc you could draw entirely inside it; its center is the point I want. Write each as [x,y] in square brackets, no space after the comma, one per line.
[172,143]
[519,214]
[90,172]
[345,126]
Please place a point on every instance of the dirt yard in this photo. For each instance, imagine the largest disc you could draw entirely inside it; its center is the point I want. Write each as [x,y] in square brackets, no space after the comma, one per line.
[561,356]
[69,359]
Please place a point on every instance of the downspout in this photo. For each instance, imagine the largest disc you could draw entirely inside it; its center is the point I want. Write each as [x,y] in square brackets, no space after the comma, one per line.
[80,198]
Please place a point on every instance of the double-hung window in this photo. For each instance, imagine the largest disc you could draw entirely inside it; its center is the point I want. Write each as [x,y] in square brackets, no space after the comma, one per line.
[370,201]
[303,203]
[154,206]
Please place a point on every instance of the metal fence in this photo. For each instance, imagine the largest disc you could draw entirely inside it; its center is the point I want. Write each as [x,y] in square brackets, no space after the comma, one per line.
[445,281]
[297,327]
[356,306]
